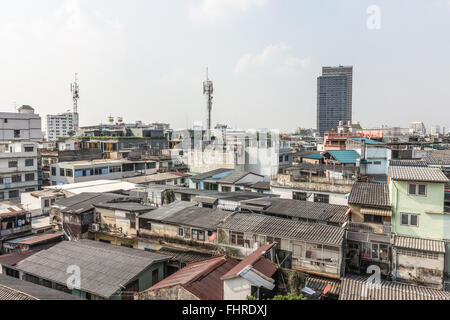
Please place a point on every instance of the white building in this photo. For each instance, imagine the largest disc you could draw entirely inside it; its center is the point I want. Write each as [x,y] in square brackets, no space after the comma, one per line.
[261,152]
[23,125]
[61,125]
[18,169]
[435,130]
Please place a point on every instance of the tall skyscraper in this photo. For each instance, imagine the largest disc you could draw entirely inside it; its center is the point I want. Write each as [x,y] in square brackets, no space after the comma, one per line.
[334,97]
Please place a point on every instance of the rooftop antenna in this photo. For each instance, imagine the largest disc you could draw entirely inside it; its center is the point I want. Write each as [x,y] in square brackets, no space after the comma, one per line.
[208,90]
[75,89]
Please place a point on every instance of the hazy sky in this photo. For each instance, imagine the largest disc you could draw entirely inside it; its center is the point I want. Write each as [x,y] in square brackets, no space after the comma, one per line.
[146,59]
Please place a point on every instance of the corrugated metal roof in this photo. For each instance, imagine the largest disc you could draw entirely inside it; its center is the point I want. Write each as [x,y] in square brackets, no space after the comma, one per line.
[345,156]
[370,194]
[355,288]
[420,244]
[15,289]
[420,174]
[201,278]
[301,209]
[233,177]
[204,218]
[167,211]
[284,228]
[105,268]
[377,212]
[210,174]
[184,256]
[367,141]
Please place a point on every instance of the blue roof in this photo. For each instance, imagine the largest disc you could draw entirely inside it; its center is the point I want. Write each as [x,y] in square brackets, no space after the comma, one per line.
[345,156]
[316,156]
[368,141]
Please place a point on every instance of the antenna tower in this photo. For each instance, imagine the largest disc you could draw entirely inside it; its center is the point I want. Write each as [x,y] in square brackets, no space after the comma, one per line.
[208,90]
[75,89]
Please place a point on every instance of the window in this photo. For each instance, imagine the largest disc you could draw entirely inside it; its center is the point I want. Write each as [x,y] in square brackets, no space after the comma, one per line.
[29,177]
[417,189]
[408,219]
[69,173]
[115,169]
[151,165]
[181,232]
[53,171]
[16,133]
[29,162]
[145,224]
[237,238]
[62,172]
[373,218]
[29,149]
[16,178]
[286,158]
[46,203]
[377,163]
[198,235]
[302,196]
[12,164]
[6,121]
[325,198]
[1,180]
[13,194]
[2,196]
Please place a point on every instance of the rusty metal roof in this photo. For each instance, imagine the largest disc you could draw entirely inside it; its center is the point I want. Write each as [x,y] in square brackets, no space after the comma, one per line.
[420,244]
[257,261]
[202,279]
[319,284]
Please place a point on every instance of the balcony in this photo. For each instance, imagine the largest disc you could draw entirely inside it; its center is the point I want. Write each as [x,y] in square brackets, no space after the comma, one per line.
[384,229]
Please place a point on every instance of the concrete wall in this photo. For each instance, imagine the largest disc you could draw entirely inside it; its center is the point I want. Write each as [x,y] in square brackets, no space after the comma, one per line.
[172,293]
[429,270]
[429,208]
[236,289]
[288,193]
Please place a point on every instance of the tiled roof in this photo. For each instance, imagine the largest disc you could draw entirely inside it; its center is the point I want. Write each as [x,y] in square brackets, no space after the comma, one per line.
[257,261]
[15,289]
[201,278]
[284,228]
[184,256]
[408,163]
[105,268]
[319,284]
[261,185]
[420,174]
[370,194]
[355,288]
[167,211]
[302,209]
[204,218]
[420,244]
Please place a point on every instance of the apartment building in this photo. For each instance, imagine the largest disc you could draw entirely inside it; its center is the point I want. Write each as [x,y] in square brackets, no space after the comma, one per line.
[18,169]
[23,125]
[61,125]
[83,171]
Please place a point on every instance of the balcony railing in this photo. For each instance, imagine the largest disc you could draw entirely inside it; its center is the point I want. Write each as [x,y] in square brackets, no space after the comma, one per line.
[369,227]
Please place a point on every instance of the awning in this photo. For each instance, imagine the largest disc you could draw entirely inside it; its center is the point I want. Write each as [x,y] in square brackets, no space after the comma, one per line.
[377,212]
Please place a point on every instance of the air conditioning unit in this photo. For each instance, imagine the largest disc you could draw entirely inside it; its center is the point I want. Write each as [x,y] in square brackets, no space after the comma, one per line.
[95,227]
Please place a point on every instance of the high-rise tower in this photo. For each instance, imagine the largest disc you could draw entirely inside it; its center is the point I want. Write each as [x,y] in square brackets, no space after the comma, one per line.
[334,97]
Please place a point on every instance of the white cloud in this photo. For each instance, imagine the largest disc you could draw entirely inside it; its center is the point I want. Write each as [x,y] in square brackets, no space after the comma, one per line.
[213,10]
[278,58]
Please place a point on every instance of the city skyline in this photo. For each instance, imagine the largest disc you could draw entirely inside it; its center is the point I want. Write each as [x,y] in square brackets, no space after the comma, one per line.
[261,72]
